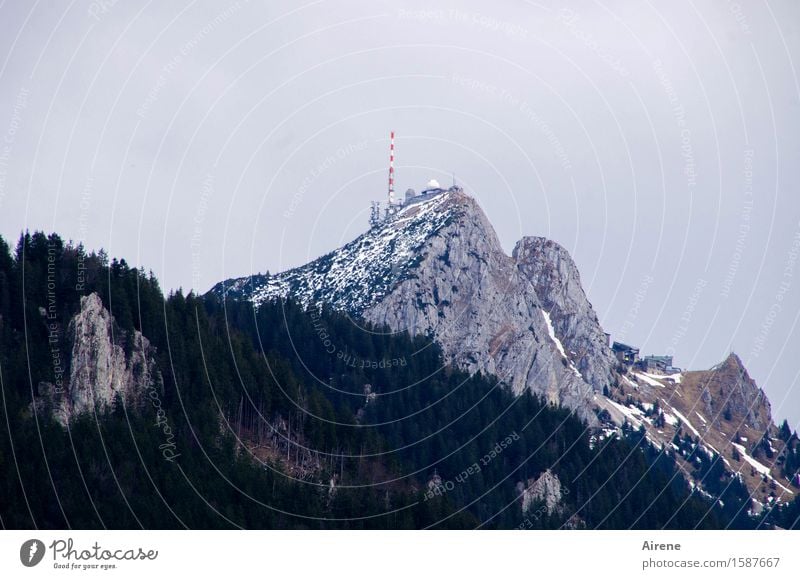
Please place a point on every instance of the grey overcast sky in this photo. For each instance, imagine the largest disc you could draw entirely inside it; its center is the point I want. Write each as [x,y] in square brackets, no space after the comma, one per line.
[659,142]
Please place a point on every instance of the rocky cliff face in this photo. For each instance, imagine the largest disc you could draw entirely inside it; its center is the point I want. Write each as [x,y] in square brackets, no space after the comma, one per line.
[557,283]
[100,371]
[545,490]
[438,269]
[729,394]
[470,296]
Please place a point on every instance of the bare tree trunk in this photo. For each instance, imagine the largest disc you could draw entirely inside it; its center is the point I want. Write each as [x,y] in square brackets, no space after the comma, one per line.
[288,435]
[241,408]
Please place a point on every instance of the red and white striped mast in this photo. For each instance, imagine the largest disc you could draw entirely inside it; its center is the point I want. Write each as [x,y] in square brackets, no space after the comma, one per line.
[391,171]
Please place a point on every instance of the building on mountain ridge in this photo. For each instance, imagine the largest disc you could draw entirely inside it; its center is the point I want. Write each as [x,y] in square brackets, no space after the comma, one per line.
[626,354]
[658,365]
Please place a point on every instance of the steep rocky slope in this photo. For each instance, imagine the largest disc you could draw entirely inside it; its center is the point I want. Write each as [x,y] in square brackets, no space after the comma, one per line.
[101,373]
[468,294]
[557,283]
[719,411]
[437,268]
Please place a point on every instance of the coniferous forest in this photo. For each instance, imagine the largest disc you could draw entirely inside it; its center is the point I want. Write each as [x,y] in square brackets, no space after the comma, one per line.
[285,417]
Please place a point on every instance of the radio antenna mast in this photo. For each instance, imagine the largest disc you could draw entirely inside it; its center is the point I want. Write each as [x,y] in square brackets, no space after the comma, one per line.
[391,172]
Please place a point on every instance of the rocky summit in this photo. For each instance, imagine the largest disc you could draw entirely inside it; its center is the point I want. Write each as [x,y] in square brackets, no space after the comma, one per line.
[557,283]
[437,268]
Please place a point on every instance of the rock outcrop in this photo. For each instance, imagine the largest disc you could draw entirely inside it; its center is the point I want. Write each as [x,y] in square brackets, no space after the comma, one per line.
[557,283]
[101,374]
[546,491]
[729,393]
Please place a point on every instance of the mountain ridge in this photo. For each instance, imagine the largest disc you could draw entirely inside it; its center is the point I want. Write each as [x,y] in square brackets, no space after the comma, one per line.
[316,435]
[437,268]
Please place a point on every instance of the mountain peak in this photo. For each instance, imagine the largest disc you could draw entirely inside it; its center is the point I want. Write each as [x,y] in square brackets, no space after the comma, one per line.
[733,363]
[552,270]
[557,283]
[437,268]
[364,270]
[733,384]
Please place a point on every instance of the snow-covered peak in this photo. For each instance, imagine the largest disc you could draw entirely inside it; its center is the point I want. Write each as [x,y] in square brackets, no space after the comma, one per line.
[362,272]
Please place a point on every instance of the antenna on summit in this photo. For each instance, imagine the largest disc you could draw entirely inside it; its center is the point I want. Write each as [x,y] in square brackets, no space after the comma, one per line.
[391,172]
[379,215]
[456,187]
